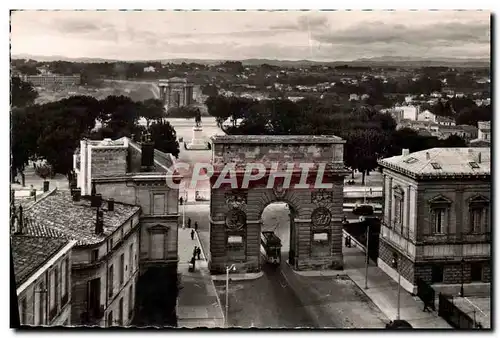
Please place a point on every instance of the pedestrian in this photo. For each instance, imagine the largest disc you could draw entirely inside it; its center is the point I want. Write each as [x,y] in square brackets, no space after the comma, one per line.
[192,234]
[195,250]
[189,222]
[425,307]
[181,200]
[195,226]
[193,261]
[198,252]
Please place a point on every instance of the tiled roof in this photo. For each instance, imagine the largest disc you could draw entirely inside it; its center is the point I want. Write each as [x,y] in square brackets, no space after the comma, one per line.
[441,162]
[444,119]
[58,216]
[29,253]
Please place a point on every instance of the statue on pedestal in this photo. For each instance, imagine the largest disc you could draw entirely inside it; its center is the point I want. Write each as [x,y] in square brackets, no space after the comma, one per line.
[197,118]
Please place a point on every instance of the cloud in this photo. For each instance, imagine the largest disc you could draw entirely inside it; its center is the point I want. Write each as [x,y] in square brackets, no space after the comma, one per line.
[303,23]
[369,32]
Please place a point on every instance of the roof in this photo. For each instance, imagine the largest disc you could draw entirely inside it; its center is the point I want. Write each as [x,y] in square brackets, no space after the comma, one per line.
[29,253]
[276,139]
[57,215]
[443,119]
[442,163]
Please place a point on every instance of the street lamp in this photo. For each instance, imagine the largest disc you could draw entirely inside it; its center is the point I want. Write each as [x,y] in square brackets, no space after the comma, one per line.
[462,285]
[367,258]
[395,263]
[230,268]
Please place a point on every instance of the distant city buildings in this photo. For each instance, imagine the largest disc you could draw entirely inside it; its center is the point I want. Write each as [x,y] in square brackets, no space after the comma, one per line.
[52,79]
[484,135]
[437,217]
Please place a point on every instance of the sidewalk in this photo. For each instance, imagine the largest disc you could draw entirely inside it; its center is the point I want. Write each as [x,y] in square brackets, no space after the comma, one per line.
[383,291]
[198,304]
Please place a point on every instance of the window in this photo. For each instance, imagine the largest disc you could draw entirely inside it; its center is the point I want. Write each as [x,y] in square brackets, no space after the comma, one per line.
[41,292]
[437,274]
[436,165]
[64,281]
[131,258]
[110,318]
[120,312]
[476,218]
[438,219]
[94,256]
[94,301]
[158,204]
[110,281]
[110,243]
[476,272]
[398,207]
[23,311]
[158,245]
[130,302]
[53,294]
[474,165]
[122,269]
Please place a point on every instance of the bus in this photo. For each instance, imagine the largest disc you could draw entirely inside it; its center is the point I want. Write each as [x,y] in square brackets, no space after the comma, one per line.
[270,247]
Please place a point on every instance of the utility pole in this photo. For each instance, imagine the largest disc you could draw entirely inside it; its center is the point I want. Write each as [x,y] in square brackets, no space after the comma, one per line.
[367,257]
[233,268]
[399,288]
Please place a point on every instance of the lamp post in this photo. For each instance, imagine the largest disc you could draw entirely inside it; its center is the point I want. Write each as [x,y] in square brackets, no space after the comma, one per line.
[462,263]
[395,262]
[367,258]
[230,268]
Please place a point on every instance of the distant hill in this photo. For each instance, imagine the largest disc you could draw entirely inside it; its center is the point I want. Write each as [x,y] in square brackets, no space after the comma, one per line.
[388,61]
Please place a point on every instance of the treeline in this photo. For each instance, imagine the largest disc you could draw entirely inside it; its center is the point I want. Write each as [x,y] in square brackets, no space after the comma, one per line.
[52,131]
[369,134]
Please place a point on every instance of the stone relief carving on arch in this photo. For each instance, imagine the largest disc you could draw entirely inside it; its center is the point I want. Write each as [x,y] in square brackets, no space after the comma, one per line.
[236,199]
[235,219]
[322,197]
[321,217]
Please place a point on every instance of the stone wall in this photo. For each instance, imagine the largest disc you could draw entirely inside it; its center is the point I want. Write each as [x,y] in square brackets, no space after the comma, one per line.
[407,266]
[108,161]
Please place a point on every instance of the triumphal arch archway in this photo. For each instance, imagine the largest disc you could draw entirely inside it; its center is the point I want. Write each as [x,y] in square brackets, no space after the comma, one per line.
[251,172]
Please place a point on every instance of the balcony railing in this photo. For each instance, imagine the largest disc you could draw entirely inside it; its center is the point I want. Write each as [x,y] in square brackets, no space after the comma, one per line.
[456,238]
[435,238]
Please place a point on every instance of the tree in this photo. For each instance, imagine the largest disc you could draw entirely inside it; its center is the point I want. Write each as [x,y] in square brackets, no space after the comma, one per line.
[453,141]
[164,137]
[22,93]
[120,114]
[152,110]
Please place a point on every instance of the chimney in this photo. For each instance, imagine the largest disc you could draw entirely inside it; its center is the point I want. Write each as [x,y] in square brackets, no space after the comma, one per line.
[479,157]
[406,152]
[427,155]
[147,154]
[96,200]
[76,193]
[111,204]
[93,191]
[99,222]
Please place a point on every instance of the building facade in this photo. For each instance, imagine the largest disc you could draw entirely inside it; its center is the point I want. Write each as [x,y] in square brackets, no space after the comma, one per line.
[42,269]
[437,217]
[137,175]
[104,265]
[176,92]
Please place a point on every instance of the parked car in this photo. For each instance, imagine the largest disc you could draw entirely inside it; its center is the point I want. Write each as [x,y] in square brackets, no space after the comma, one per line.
[398,324]
[363,210]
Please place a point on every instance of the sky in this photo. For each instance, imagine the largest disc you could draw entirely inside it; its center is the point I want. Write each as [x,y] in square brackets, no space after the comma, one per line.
[238,35]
